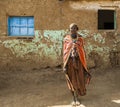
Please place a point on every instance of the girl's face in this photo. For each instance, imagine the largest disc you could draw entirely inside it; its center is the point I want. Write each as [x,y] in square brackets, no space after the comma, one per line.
[73,29]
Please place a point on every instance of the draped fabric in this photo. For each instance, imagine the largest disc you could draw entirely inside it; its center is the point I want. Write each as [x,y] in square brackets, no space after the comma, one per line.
[77,73]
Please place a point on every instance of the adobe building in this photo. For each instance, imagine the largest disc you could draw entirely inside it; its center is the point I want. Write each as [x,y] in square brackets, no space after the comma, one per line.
[32,31]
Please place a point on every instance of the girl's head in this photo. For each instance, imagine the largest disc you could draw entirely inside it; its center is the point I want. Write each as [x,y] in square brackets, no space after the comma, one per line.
[73,28]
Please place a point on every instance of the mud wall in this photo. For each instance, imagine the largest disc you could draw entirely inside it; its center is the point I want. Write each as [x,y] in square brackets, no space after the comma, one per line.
[52,19]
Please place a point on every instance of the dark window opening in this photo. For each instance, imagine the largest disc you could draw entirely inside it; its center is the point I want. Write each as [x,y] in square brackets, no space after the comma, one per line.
[106,19]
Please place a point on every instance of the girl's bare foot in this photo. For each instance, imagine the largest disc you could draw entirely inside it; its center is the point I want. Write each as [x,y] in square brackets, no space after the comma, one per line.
[77,103]
[73,103]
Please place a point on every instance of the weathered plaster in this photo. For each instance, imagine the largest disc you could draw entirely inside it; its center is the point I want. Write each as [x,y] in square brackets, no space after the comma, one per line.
[47,46]
[99,38]
[84,33]
[51,20]
[93,5]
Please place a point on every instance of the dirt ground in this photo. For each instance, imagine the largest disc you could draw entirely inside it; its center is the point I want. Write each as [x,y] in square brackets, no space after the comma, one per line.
[47,88]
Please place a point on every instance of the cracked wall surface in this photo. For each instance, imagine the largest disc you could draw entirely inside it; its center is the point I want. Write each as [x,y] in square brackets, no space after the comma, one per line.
[45,48]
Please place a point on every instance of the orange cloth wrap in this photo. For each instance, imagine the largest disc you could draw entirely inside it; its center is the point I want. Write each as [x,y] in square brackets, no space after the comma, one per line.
[68,44]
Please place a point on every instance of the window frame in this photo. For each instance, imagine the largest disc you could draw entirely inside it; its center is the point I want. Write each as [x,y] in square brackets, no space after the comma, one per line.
[115,20]
[19,36]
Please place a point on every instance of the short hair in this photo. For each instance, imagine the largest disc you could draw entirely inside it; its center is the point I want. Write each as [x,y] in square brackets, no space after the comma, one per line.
[73,24]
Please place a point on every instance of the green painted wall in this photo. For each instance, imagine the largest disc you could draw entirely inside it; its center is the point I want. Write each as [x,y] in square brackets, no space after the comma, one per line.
[46,47]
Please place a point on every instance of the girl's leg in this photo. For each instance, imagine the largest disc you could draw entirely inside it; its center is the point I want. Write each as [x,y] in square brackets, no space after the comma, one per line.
[77,99]
[74,101]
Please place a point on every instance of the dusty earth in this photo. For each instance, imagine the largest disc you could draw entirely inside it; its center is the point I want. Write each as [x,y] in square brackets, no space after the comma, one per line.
[46,87]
